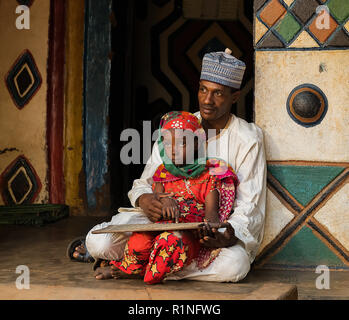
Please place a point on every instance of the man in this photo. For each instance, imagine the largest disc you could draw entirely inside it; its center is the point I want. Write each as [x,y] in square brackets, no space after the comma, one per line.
[237,142]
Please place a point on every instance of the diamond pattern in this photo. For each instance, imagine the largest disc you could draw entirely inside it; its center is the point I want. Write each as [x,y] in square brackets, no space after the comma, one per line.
[335,217]
[258,4]
[213,39]
[19,182]
[316,234]
[346,26]
[23,80]
[305,9]
[339,39]
[289,19]
[27,3]
[288,27]
[271,41]
[260,30]
[289,2]
[212,45]
[320,28]
[272,12]
[339,9]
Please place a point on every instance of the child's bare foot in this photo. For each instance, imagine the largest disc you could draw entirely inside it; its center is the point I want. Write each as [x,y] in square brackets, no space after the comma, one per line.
[104,273]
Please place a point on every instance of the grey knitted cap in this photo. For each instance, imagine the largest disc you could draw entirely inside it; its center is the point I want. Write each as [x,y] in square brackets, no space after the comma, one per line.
[221,67]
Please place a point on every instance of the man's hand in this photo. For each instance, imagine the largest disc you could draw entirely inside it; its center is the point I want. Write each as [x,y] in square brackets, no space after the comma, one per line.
[151,205]
[212,238]
[170,209]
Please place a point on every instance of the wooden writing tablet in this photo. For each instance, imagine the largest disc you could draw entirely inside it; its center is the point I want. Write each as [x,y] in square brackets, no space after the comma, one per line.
[153,227]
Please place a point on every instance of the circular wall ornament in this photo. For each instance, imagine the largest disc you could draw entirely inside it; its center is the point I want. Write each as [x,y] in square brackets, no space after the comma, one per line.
[307,105]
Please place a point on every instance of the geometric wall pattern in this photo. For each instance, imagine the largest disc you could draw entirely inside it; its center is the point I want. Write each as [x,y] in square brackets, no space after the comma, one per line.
[27,3]
[23,79]
[278,73]
[19,182]
[23,116]
[302,46]
[301,23]
[177,46]
[313,232]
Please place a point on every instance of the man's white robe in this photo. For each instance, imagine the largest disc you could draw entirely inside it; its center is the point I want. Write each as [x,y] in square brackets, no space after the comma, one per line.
[241,145]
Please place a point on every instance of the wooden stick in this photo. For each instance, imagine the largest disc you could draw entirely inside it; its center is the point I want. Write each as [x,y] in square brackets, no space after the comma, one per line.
[156,227]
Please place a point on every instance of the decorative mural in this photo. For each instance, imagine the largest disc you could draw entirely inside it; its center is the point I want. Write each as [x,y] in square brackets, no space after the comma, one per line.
[309,229]
[31,100]
[307,105]
[298,87]
[301,104]
[19,182]
[23,79]
[23,70]
[301,24]
[168,61]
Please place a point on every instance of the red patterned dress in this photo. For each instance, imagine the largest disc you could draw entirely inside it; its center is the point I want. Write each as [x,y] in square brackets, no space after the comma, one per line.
[155,255]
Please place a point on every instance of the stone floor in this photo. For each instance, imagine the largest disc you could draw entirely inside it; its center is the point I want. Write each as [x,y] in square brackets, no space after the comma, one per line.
[53,276]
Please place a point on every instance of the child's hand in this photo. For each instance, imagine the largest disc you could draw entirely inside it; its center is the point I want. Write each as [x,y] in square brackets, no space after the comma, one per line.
[170,209]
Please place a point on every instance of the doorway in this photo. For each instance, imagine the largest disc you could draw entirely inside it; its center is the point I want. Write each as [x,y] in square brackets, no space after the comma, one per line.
[157,48]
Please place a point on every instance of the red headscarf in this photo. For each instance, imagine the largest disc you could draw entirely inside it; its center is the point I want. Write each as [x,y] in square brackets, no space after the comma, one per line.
[180,120]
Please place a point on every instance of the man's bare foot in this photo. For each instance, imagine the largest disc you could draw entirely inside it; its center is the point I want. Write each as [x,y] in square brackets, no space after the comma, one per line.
[79,250]
[104,273]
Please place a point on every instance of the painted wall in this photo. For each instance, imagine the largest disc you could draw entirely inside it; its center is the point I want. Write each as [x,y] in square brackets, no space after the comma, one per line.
[74,175]
[23,67]
[96,104]
[301,103]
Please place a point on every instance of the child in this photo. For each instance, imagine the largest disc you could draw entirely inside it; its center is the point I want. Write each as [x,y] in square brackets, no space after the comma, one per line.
[196,186]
